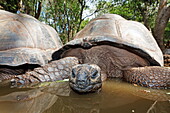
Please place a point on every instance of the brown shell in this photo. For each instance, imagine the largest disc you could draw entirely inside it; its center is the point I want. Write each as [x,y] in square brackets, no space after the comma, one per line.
[23,39]
[114,30]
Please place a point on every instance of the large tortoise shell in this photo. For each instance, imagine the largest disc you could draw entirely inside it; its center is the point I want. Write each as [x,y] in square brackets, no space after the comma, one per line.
[25,40]
[114,30]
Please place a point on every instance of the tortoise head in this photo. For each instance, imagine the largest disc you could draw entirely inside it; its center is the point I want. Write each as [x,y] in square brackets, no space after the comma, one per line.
[85,78]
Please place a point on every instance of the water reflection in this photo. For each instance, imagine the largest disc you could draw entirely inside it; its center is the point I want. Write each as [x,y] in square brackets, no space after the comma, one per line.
[116,97]
[33,100]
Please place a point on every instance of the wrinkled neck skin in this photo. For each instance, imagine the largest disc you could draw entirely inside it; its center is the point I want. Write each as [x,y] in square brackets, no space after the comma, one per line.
[111,60]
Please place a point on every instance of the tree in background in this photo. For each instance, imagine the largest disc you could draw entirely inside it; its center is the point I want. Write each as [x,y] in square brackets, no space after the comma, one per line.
[10,5]
[161,22]
[139,10]
[31,7]
[66,16]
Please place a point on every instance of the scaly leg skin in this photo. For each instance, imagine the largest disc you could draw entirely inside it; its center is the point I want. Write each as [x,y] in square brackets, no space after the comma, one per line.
[53,71]
[152,76]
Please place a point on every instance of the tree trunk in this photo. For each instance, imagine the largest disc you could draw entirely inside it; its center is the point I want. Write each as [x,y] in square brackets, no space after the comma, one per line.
[82,5]
[161,22]
[38,12]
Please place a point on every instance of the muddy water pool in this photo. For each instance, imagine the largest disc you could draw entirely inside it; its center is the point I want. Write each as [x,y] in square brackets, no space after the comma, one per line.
[57,97]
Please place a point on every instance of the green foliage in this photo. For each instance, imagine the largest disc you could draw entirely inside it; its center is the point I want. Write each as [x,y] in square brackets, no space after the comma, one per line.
[167,33]
[9,5]
[84,23]
[24,6]
[65,16]
[139,10]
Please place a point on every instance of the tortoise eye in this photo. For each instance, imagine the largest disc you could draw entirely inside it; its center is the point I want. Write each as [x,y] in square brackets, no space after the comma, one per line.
[94,74]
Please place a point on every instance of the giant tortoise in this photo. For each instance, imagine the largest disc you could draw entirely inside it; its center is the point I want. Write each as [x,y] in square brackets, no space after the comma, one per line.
[25,43]
[108,47]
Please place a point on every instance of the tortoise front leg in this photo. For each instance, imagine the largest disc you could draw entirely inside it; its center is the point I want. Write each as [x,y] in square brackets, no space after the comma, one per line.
[151,76]
[55,70]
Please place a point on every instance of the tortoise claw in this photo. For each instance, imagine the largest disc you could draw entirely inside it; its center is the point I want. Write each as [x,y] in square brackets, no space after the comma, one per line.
[17,83]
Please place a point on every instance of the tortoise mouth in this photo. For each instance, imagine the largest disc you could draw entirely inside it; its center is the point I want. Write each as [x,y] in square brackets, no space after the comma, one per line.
[86,88]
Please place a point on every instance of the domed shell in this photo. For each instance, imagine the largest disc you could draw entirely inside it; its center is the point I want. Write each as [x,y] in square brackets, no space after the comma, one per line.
[114,30]
[25,40]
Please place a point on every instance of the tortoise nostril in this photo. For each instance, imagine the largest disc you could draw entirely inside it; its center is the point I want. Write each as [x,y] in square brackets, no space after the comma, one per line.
[81,82]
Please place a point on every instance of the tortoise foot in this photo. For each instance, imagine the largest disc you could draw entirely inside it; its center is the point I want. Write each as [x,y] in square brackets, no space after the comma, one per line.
[22,80]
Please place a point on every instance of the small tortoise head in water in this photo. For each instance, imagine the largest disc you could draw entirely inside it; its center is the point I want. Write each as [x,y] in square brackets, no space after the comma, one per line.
[85,78]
